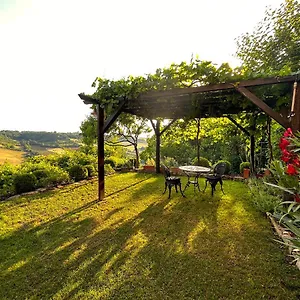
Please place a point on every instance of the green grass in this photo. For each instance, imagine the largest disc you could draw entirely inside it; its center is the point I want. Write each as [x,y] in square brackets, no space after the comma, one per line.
[137,244]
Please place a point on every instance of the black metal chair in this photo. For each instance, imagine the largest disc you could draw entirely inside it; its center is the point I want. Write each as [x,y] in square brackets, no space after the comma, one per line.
[216,177]
[171,181]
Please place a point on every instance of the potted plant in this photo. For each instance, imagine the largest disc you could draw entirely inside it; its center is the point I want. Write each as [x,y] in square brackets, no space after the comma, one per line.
[245,169]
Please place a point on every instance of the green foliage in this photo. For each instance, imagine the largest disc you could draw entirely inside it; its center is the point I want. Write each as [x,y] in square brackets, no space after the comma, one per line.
[25,182]
[169,162]
[78,172]
[228,165]
[89,131]
[7,186]
[264,197]
[115,162]
[45,139]
[203,162]
[91,170]
[273,47]
[244,165]
[108,169]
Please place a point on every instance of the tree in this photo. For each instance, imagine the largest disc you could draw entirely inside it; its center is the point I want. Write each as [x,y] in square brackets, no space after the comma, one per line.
[128,129]
[274,45]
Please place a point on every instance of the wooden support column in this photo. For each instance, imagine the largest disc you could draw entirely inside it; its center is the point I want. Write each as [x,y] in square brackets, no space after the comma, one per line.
[295,110]
[157,131]
[252,153]
[100,133]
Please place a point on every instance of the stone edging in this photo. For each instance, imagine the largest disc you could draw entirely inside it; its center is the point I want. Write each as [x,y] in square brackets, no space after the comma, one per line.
[285,235]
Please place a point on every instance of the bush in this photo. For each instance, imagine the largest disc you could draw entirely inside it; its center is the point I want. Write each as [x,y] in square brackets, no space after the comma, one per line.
[228,165]
[115,162]
[25,183]
[7,186]
[78,172]
[264,197]
[45,173]
[91,170]
[244,165]
[204,162]
[170,162]
[108,169]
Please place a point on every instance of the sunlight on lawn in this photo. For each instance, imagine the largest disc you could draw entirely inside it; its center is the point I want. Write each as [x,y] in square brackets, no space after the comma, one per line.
[138,244]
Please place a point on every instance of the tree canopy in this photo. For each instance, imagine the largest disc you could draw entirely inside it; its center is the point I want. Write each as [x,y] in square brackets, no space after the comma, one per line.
[274,45]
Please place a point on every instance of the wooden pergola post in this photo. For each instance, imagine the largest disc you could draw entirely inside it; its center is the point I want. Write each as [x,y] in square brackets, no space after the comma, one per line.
[100,133]
[157,133]
[295,109]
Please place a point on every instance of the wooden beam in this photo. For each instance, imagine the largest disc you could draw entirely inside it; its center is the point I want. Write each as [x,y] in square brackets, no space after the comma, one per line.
[263,106]
[295,110]
[218,87]
[238,125]
[114,116]
[100,133]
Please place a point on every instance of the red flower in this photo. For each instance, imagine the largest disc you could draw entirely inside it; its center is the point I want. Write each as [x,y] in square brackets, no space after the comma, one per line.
[291,170]
[297,198]
[296,162]
[288,133]
[283,143]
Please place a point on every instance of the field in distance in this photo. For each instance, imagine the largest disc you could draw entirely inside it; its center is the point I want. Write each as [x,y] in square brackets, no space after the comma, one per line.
[11,156]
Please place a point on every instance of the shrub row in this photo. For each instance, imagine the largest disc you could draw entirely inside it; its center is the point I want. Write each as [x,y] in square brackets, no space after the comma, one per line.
[46,171]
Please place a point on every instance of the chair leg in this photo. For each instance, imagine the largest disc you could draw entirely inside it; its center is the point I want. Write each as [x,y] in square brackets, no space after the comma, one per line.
[221,183]
[176,188]
[165,187]
[169,191]
[181,190]
[187,184]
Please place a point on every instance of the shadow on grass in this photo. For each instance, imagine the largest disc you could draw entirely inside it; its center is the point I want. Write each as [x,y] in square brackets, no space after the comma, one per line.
[153,248]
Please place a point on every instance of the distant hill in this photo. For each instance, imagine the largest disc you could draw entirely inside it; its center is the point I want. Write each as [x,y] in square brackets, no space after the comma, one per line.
[40,138]
[36,142]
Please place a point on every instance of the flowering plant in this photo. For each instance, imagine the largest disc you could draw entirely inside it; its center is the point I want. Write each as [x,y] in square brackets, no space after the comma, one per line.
[287,171]
[287,176]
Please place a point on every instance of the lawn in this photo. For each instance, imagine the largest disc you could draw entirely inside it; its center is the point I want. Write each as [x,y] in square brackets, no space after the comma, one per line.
[137,244]
[11,156]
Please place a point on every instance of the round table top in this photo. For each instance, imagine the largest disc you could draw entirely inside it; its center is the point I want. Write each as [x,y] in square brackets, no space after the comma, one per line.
[196,169]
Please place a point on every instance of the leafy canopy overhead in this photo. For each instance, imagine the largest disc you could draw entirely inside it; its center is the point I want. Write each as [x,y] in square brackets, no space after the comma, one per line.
[274,45]
[194,73]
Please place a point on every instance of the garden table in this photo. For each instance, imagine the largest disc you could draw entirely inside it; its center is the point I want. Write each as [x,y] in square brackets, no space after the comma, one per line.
[193,173]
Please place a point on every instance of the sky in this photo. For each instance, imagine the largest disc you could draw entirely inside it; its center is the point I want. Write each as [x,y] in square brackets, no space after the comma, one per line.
[52,50]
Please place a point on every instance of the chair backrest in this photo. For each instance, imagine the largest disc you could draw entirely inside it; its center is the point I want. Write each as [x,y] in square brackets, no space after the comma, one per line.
[220,169]
[167,172]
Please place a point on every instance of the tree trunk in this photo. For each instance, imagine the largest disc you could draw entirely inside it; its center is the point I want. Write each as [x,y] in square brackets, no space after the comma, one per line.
[137,157]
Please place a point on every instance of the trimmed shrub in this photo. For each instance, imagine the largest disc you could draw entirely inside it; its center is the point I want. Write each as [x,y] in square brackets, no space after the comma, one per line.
[228,165]
[91,170]
[204,162]
[78,172]
[244,165]
[7,186]
[25,183]
[108,169]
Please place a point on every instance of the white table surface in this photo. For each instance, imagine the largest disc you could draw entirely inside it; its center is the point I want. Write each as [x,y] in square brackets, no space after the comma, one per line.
[195,169]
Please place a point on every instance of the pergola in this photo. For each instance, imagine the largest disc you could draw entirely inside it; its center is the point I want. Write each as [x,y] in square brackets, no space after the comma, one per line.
[214,100]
